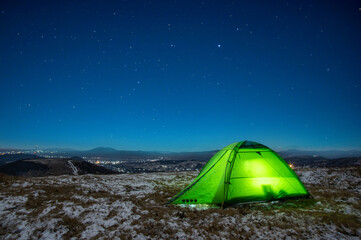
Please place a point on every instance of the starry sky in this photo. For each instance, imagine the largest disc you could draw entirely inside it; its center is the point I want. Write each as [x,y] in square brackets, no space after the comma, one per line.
[180,75]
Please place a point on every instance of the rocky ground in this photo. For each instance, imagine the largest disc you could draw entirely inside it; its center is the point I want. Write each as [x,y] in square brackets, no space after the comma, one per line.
[131,206]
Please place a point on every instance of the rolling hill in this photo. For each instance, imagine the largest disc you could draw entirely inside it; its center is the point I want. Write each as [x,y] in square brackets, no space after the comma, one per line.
[51,167]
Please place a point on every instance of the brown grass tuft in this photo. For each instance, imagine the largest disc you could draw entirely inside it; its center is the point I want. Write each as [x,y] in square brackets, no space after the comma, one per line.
[74,226]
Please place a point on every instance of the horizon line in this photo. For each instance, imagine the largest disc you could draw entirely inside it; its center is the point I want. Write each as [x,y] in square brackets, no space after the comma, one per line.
[175,151]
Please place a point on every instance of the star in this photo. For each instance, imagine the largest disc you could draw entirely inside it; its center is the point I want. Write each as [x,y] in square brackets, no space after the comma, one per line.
[219,45]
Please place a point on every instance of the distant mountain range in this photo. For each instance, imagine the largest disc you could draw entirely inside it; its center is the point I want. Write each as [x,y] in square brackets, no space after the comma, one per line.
[107,152]
[114,154]
[111,153]
[325,154]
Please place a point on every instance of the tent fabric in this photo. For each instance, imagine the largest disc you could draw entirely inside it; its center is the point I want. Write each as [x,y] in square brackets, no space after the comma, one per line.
[242,172]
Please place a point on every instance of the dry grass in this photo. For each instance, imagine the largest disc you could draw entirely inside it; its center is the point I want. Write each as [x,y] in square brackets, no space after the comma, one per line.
[74,226]
[296,215]
[151,218]
[345,223]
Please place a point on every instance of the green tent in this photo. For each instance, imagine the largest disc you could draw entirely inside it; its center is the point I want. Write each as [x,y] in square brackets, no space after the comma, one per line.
[242,172]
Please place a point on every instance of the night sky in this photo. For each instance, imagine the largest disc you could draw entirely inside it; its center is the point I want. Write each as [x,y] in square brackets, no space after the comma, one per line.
[180,75]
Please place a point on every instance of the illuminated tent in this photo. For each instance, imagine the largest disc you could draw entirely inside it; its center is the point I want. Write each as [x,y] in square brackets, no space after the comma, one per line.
[242,172]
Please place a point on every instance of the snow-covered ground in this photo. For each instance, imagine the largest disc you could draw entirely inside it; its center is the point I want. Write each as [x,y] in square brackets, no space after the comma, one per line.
[131,206]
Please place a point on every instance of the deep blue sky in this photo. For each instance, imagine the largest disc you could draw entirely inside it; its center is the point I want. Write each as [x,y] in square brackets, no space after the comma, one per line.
[180,75]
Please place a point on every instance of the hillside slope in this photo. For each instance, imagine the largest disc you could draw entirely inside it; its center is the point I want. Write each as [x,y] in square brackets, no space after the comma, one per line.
[51,167]
[6,158]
